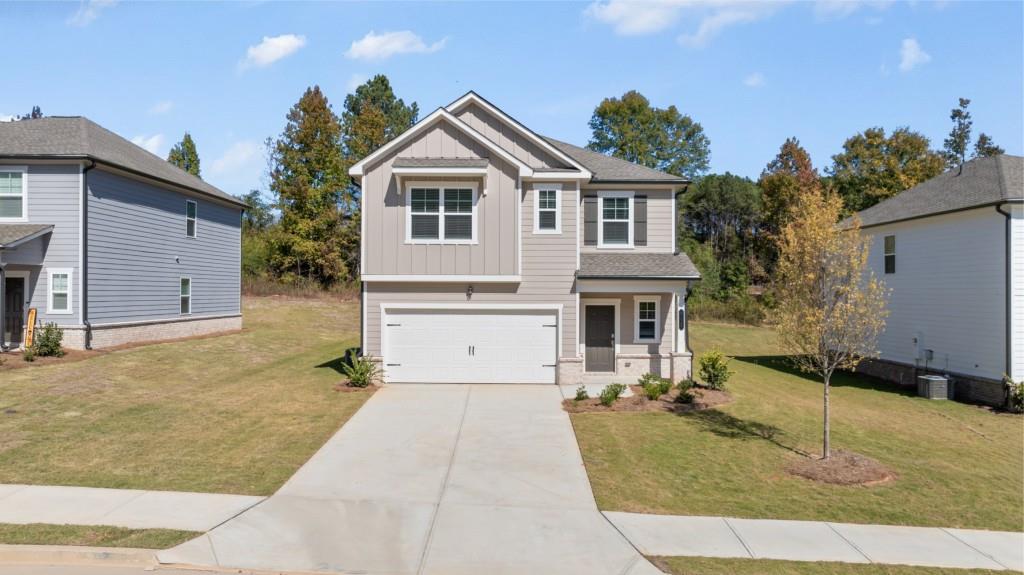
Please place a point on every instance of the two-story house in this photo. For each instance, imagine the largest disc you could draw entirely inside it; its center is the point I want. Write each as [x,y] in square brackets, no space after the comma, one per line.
[493,254]
[110,242]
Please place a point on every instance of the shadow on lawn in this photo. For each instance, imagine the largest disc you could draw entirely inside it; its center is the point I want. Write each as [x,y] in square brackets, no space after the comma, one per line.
[729,426]
[781,363]
[338,364]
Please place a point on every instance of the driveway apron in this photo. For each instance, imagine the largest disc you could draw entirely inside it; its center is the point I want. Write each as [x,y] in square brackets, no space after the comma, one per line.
[433,479]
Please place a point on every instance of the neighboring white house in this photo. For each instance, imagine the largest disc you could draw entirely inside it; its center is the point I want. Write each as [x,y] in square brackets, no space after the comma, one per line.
[952,251]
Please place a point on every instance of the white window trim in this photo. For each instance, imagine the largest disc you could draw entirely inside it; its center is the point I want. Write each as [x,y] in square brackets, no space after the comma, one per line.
[656,300]
[886,253]
[24,192]
[195,220]
[49,291]
[600,220]
[189,278]
[440,186]
[557,188]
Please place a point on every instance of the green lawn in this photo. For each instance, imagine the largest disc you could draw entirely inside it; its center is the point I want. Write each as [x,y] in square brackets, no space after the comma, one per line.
[92,536]
[231,414]
[707,566]
[958,465]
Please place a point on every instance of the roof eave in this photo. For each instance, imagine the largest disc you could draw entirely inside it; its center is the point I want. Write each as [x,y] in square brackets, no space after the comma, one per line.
[636,277]
[28,238]
[941,213]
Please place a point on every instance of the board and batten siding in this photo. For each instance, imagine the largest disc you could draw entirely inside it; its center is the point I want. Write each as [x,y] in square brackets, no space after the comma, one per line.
[1017,290]
[138,251]
[496,130]
[949,290]
[53,198]
[549,265]
[660,213]
[384,210]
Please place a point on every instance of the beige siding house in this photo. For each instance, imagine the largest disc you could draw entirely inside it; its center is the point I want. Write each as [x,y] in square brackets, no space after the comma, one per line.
[493,254]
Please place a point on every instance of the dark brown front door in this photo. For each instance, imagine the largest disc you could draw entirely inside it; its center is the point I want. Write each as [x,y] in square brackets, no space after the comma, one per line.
[14,309]
[600,338]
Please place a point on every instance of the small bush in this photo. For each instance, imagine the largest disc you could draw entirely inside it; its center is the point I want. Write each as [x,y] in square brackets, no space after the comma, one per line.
[581,393]
[685,395]
[361,372]
[654,386]
[714,369]
[47,343]
[1014,396]
[29,354]
[610,393]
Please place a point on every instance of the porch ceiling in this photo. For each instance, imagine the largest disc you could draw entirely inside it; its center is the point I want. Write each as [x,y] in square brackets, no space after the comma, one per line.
[12,235]
[637,266]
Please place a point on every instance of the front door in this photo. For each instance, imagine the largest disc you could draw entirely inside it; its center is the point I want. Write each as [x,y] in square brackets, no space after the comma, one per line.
[600,338]
[14,310]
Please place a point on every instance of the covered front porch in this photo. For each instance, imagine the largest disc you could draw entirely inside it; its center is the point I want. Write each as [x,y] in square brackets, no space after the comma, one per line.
[22,247]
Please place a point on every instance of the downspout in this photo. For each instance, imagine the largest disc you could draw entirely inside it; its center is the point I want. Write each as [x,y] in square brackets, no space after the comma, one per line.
[686,310]
[1009,287]
[84,264]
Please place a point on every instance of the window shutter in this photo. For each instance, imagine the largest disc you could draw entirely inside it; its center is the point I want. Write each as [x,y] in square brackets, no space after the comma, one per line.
[639,220]
[590,220]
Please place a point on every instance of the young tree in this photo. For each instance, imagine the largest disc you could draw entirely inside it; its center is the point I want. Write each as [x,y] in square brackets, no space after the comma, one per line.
[185,156]
[955,145]
[830,308]
[660,138]
[985,147]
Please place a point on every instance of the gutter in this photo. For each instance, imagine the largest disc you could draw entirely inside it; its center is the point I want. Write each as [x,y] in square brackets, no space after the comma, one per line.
[83,274]
[1009,294]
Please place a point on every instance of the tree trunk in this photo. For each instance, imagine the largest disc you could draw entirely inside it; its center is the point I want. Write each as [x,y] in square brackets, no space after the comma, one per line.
[826,448]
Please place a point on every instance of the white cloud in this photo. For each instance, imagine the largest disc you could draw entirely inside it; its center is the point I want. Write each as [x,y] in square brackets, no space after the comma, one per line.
[912,55]
[7,117]
[271,49]
[634,18]
[161,107]
[356,80]
[88,10]
[837,9]
[712,25]
[239,156]
[755,80]
[375,46]
[152,143]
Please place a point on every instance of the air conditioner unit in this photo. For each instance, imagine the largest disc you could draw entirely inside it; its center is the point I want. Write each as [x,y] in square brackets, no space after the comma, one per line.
[934,387]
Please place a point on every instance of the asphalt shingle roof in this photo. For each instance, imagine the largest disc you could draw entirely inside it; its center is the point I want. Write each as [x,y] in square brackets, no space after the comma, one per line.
[983,182]
[440,163]
[634,265]
[11,233]
[79,137]
[611,169]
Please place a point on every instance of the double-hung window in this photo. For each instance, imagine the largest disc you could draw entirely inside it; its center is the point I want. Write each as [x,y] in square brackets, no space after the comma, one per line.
[616,225]
[190,218]
[443,214]
[547,209]
[13,193]
[185,291]
[646,312]
[59,301]
[890,254]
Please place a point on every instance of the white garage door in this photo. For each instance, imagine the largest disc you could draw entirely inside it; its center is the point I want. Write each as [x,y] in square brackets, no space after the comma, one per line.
[485,346]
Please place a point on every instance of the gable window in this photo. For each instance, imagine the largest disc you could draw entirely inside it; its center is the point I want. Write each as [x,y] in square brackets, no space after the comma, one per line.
[185,291]
[547,213]
[443,214]
[615,229]
[190,218]
[890,254]
[59,285]
[13,193]
[646,313]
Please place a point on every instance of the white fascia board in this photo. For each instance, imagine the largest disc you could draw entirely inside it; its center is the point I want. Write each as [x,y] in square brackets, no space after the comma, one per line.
[442,278]
[541,175]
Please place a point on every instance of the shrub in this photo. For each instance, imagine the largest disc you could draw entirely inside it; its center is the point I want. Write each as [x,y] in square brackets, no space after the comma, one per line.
[1014,396]
[581,393]
[714,369]
[29,354]
[654,386]
[685,395]
[361,372]
[47,343]
[610,393]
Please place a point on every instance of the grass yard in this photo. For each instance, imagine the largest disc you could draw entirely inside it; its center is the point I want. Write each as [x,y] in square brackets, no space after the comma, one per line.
[231,414]
[957,465]
[707,566]
[92,536]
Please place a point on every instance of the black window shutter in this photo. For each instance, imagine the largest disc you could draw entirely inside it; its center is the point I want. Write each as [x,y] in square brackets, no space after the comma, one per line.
[639,220]
[590,220]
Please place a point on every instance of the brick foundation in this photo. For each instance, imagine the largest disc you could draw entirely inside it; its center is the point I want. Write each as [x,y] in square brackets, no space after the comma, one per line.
[969,389]
[570,370]
[104,336]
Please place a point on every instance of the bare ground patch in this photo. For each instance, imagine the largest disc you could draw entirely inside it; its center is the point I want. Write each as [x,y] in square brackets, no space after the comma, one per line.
[843,468]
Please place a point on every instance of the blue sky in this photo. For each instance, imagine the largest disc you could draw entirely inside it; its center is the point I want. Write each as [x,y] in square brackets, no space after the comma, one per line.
[751,73]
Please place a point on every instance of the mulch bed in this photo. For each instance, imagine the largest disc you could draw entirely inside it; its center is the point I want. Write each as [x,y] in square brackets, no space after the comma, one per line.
[703,398]
[843,468]
[344,387]
[15,359]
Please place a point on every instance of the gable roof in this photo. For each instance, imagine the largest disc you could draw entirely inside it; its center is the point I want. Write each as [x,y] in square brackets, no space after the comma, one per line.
[77,137]
[13,235]
[611,169]
[983,182]
[633,265]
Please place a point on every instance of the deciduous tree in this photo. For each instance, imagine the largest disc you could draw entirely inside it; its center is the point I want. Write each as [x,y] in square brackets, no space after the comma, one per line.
[185,156]
[985,147]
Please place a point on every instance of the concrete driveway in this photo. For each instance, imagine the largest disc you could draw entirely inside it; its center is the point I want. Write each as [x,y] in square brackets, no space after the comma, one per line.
[433,479]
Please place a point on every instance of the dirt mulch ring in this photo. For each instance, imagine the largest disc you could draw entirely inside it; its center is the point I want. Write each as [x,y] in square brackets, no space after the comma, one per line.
[703,398]
[344,387]
[843,468]
[15,359]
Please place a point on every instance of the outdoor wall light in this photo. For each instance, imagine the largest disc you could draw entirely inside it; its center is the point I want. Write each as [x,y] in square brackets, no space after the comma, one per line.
[469,291]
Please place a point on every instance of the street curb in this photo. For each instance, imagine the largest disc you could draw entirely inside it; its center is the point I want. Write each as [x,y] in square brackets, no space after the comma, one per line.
[74,555]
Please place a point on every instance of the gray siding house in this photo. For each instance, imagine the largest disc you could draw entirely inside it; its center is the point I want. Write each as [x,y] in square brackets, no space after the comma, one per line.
[110,242]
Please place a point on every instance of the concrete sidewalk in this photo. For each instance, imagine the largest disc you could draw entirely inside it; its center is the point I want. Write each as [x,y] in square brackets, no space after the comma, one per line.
[137,509]
[669,535]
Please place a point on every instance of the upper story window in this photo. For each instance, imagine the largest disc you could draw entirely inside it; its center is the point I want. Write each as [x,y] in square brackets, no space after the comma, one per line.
[646,313]
[190,218]
[13,193]
[615,221]
[443,214]
[547,212]
[890,254]
[59,301]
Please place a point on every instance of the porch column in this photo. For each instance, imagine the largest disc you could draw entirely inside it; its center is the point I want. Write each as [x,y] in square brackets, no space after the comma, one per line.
[681,327]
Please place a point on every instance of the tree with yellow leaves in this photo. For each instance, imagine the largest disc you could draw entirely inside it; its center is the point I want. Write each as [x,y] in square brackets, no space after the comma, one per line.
[830,307]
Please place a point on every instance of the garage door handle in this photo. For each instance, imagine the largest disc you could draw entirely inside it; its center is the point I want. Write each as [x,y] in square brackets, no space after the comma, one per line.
[394,325]
[550,325]
[549,365]
[394,365]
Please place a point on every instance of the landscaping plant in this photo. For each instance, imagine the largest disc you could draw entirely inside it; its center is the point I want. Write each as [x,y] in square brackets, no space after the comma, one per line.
[654,386]
[685,395]
[610,393]
[1014,396]
[714,369]
[361,372]
[581,393]
[48,341]
[29,354]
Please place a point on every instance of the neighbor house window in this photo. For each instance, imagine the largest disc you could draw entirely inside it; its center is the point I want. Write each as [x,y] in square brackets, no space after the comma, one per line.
[547,210]
[616,226]
[646,312]
[186,296]
[59,301]
[444,214]
[190,218]
[890,254]
[13,193]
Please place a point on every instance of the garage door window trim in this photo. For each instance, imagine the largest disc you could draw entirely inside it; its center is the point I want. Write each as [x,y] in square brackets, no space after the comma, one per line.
[440,211]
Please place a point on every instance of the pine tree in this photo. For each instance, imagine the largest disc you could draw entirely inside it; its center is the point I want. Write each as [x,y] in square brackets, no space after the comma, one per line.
[985,147]
[185,156]
[955,145]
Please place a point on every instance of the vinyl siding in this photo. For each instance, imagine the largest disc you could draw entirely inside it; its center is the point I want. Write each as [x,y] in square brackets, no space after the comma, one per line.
[949,289]
[1017,302]
[136,231]
[496,130]
[53,198]
[660,213]
[627,322]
